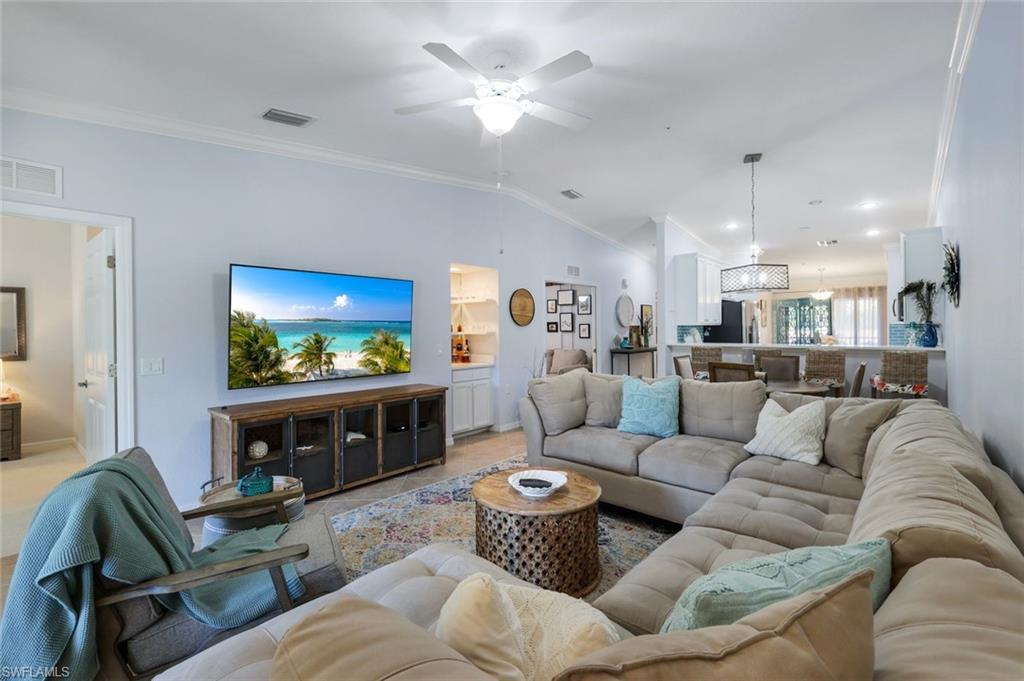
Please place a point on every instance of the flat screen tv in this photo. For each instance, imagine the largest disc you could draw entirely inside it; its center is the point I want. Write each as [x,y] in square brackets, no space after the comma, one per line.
[293,326]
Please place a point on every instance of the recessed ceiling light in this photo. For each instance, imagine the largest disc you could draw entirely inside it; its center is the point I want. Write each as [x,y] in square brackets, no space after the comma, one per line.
[874,231]
[732,225]
[868,205]
[454,269]
[827,243]
[815,202]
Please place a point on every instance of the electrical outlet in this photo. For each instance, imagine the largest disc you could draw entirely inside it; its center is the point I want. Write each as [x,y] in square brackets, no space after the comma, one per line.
[151,367]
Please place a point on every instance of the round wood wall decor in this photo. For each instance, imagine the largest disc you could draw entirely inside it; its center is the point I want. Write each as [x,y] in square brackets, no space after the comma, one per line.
[521,307]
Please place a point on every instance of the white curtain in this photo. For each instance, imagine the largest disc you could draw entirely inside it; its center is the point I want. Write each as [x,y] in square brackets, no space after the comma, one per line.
[859,315]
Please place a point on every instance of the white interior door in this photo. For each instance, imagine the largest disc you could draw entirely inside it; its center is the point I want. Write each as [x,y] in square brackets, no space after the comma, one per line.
[97,387]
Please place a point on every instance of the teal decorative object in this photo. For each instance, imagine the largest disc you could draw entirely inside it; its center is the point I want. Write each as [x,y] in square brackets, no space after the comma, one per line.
[625,344]
[736,590]
[650,408]
[255,483]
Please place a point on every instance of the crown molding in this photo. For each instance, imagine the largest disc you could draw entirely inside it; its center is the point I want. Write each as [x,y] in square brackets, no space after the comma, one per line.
[115,117]
[963,40]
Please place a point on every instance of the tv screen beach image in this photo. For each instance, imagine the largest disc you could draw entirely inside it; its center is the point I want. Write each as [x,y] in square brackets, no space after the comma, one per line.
[291,326]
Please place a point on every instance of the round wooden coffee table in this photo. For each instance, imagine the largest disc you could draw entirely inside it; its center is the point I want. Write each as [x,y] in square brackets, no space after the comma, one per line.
[549,542]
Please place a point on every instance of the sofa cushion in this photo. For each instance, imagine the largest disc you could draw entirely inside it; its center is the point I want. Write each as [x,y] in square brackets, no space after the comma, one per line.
[650,407]
[351,638]
[744,587]
[1009,505]
[645,595]
[849,428]
[605,448]
[795,436]
[604,400]
[823,479]
[778,514]
[951,619]
[700,463]
[927,509]
[727,411]
[520,633]
[561,401]
[821,634]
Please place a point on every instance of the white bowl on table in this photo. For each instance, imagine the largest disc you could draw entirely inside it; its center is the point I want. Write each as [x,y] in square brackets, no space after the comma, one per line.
[556,478]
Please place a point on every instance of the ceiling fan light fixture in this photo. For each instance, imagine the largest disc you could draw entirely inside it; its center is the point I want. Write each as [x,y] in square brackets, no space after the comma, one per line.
[498,113]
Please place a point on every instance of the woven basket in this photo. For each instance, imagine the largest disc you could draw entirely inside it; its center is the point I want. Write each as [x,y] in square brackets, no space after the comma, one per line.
[826,364]
[700,356]
[904,367]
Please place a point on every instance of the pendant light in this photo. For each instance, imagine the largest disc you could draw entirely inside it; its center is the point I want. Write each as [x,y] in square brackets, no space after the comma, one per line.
[755,276]
[822,293]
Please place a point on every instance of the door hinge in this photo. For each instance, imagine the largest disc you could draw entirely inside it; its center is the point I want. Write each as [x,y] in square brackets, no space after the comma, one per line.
[111,262]
[112,370]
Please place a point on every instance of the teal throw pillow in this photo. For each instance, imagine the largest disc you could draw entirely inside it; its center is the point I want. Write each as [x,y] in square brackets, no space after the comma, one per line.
[650,408]
[736,590]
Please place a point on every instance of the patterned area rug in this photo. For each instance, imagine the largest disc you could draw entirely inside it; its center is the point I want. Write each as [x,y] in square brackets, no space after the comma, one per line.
[390,529]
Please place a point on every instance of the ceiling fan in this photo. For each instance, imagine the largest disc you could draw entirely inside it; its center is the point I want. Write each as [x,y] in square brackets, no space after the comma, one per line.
[500,102]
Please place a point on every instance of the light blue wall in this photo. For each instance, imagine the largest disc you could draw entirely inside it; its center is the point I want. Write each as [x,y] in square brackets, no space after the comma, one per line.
[198,207]
[981,208]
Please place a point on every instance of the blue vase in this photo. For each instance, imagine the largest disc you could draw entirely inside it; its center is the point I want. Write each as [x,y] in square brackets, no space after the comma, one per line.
[929,336]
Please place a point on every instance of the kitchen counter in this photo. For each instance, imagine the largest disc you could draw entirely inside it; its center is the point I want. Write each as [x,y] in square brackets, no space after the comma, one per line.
[462,366]
[799,348]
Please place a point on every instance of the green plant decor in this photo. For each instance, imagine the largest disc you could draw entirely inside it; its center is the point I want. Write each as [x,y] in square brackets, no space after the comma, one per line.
[384,353]
[313,355]
[924,297]
[951,272]
[254,357]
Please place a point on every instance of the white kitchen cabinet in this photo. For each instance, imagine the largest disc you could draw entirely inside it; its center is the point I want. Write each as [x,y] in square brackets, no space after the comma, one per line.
[698,290]
[923,256]
[472,400]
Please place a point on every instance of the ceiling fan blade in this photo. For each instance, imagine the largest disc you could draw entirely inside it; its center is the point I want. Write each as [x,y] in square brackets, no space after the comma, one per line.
[430,106]
[557,116]
[563,67]
[456,63]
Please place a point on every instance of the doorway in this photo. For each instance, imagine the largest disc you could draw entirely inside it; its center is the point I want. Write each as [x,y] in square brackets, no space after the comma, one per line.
[65,404]
[571,318]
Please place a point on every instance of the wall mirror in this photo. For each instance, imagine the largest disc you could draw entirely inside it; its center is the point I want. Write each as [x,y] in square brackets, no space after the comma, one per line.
[521,307]
[13,338]
[624,310]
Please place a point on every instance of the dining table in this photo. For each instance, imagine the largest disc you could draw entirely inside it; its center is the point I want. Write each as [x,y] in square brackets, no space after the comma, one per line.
[797,387]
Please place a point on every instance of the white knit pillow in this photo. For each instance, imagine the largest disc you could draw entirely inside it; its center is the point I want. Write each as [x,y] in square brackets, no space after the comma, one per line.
[797,435]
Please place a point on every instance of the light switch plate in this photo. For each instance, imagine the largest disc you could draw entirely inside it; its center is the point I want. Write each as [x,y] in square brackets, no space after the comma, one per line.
[151,367]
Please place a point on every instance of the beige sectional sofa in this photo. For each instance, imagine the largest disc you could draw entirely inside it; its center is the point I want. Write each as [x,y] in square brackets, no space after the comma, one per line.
[956,609]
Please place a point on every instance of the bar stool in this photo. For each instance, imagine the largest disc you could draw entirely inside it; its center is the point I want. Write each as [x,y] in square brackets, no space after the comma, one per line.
[826,367]
[904,372]
[700,356]
[761,353]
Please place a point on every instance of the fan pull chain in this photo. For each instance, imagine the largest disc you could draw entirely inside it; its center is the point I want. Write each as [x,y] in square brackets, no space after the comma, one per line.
[753,232]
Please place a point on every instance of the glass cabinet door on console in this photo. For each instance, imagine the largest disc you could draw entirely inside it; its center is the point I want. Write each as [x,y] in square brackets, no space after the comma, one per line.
[265,444]
[358,444]
[429,429]
[313,451]
[399,449]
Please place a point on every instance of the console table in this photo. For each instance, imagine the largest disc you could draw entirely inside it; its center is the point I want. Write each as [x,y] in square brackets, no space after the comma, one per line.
[332,442]
[10,429]
[629,354]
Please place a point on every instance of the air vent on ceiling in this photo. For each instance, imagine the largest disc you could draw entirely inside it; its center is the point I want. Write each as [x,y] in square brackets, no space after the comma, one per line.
[31,177]
[571,194]
[827,243]
[573,270]
[287,118]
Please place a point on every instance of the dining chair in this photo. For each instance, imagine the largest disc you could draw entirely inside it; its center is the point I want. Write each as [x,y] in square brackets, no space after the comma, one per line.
[827,367]
[684,368]
[700,356]
[781,368]
[904,372]
[724,372]
[763,353]
[858,380]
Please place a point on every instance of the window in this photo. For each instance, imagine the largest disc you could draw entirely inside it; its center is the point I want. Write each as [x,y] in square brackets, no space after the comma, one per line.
[802,321]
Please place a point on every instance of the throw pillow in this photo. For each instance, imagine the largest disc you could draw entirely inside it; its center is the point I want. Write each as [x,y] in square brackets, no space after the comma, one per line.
[519,632]
[738,589]
[848,430]
[795,435]
[561,401]
[564,359]
[604,399]
[821,634]
[650,408]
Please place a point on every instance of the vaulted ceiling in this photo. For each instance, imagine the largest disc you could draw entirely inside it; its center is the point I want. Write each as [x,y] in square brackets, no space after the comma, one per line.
[843,99]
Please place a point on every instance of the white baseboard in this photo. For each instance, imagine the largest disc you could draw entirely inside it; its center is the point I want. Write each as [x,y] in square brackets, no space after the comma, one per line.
[81,449]
[45,445]
[449,441]
[505,427]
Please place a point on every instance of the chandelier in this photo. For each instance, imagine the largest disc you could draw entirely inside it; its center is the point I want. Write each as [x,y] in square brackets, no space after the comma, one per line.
[755,276]
[822,293]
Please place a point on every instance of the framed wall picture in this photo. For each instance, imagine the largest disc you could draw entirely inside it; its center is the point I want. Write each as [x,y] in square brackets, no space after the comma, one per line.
[552,306]
[647,319]
[583,304]
[565,322]
[552,327]
[584,330]
[566,296]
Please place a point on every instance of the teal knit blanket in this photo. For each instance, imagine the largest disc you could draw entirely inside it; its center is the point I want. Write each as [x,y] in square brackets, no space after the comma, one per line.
[109,519]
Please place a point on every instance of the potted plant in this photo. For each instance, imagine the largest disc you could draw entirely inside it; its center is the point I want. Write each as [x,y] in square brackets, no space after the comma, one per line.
[924,297]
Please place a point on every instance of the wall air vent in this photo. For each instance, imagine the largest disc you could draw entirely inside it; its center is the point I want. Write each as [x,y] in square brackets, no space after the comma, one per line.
[31,177]
[573,270]
[828,243]
[571,194]
[287,118]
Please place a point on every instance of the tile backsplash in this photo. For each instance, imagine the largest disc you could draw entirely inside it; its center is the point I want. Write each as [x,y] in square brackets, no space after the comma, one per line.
[898,334]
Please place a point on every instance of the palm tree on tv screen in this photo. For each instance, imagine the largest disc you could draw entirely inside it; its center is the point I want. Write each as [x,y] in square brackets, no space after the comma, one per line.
[384,353]
[313,355]
[254,357]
